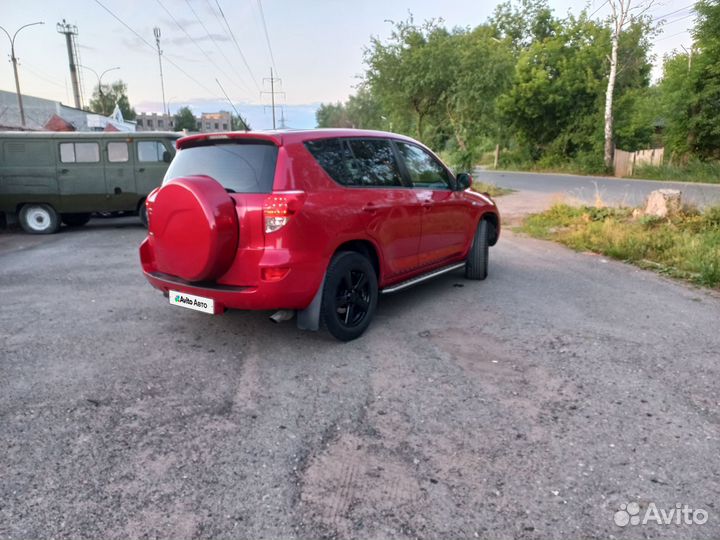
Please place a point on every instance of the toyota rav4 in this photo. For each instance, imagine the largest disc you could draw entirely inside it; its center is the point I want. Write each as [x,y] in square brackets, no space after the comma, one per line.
[316,223]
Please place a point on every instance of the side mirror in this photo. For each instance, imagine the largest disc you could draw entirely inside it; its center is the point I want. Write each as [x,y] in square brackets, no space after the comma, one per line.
[167,157]
[464,181]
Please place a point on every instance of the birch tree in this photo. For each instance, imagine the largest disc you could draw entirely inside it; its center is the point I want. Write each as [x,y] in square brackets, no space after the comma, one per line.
[620,15]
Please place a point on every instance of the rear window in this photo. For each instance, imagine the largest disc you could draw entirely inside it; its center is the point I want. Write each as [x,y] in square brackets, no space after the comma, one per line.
[240,167]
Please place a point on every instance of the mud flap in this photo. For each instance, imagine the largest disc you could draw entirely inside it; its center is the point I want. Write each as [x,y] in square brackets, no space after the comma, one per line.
[309,318]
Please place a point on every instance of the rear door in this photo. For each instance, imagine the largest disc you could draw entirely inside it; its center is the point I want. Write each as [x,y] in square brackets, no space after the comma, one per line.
[27,172]
[150,165]
[81,177]
[389,210]
[446,215]
[119,176]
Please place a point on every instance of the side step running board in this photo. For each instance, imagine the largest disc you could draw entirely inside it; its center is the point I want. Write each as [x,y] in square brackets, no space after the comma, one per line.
[420,279]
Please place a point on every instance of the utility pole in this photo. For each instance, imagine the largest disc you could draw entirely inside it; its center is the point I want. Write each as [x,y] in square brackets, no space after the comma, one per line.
[156,31]
[14,60]
[689,55]
[272,92]
[70,31]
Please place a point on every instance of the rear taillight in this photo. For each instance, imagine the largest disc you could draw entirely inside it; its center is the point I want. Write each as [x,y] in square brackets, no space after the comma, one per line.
[279,207]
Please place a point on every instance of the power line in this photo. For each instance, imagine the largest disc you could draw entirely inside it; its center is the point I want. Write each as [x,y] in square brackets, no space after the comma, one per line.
[209,35]
[680,19]
[671,13]
[237,45]
[598,9]
[191,38]
[267,36]
[672,35]
[146,42]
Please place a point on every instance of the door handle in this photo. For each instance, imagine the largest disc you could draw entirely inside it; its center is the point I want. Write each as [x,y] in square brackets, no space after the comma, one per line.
[64,171]
[141,169]
[370,208]
[427,205]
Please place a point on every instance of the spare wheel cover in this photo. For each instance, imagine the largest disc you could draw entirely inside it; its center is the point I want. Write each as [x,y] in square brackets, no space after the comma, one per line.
[195,228]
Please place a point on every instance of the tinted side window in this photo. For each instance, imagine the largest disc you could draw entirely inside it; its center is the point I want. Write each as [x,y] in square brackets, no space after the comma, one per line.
[373,163]
[357,162]
[117,152]
[86,152]
[333,155]
[150,150]
[240,167]
[424,170]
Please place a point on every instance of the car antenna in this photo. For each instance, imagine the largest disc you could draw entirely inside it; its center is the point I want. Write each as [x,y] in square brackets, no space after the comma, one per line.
[233,106]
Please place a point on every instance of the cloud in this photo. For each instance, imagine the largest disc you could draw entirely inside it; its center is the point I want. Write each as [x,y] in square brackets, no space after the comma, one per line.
[183,40]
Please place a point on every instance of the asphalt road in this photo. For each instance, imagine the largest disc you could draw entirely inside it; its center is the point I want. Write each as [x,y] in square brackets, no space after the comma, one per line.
[530,405]
[612,191]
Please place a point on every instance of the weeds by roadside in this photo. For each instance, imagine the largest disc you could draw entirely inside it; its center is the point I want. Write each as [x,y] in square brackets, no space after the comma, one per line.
[686,246]
[491,189]
[694,171]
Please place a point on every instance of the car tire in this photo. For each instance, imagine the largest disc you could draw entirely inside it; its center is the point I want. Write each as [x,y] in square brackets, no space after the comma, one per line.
[142,214]
[349,296]
[476,264]
[75,220]
[38,218]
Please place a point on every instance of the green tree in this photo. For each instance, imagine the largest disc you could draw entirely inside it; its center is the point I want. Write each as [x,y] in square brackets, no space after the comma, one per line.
[555,106]
[523,22]
[690,90]
[703,108]
[185,119]
[332,115]
[364,111]
[239,123]
[105,98]
[410,75]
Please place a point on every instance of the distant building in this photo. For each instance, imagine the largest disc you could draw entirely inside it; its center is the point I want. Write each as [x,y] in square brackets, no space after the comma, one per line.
[207,123]
[46,114]
[155,122]
[219,121]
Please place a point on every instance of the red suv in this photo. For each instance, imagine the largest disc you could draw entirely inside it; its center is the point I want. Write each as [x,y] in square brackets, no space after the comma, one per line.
[317,222]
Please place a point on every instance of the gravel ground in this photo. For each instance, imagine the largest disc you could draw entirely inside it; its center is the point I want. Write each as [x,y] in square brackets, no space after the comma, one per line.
[530,405]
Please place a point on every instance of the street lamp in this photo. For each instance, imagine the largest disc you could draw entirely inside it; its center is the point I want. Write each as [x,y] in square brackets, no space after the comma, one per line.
[14,60]
[99,78]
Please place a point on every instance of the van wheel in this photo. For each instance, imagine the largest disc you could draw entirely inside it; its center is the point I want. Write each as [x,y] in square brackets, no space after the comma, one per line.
[39,219]
[142,213]
[349,296]
[75,220]
[476,265]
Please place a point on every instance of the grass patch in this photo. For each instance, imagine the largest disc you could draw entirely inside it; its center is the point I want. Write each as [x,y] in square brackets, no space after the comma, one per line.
[491,189]
[686,246]
[694,171]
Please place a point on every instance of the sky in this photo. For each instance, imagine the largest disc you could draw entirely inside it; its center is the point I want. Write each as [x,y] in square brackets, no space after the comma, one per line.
[315,46]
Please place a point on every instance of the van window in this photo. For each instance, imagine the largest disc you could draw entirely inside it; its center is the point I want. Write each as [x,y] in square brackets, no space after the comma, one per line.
[240,167]
[24,153]
[150,150]
[117,152]
[79,152]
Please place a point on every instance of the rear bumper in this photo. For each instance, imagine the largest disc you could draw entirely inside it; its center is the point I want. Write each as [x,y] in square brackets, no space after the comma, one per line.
[294,291]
